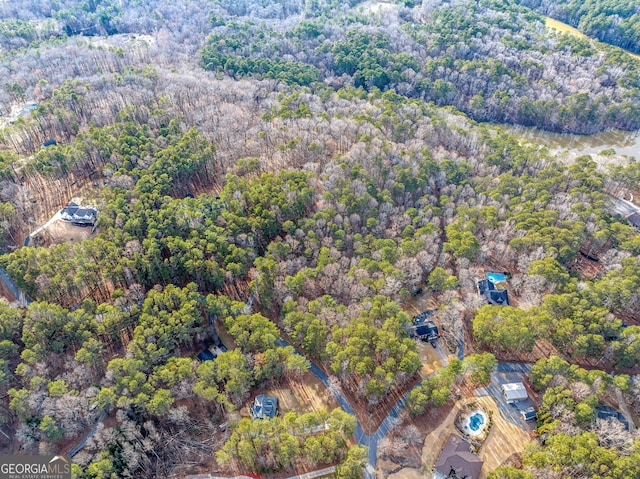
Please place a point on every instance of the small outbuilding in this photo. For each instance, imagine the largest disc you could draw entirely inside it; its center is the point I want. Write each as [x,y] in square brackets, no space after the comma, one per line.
[514,392]
[206,355]
[264,407]
[528,414]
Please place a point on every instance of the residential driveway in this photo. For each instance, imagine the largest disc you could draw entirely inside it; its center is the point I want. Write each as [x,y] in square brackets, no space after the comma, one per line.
[509,412]
[622,207]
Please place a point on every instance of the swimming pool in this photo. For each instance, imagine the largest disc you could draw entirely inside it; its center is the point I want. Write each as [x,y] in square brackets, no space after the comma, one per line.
[495,277]
[474,423]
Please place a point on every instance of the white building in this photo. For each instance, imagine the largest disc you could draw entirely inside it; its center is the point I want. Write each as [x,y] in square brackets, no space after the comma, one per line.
[514,392]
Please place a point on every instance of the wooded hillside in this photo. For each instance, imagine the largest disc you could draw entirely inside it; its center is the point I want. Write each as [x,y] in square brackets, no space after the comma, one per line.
[295,171]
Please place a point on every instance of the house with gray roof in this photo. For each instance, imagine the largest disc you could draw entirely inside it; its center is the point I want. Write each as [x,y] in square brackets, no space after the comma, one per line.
[264,407]
[79,215]
[456,461]
[493,295]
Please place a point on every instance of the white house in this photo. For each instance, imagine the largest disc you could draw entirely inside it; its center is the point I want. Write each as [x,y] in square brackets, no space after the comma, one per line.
[514,392]
[79,215]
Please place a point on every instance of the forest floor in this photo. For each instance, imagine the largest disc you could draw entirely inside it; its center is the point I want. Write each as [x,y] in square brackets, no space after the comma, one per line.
[139,40]
[418,304]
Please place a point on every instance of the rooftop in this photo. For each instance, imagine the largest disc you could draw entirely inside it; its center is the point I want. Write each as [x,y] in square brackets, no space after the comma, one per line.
[498,297]
[264,407]
[76,214]
[485,285]
[513,387]
[607,412]
[206,355]
[634,219]
[457,457]
[514,391]
[428,330]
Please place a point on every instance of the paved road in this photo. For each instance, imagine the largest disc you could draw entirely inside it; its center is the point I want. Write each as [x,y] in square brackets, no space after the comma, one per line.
[514,367]
[442,354]
[623,207]
[84,440]
[461,344]
[367,440]
[625,410]
[370,441]
[52,220]
[22,298]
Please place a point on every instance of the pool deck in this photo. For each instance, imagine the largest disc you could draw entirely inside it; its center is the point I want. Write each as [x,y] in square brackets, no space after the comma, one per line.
[466,424]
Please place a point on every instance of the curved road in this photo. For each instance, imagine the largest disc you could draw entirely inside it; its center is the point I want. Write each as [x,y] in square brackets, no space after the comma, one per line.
[22,298]
[93,430]
[370,441]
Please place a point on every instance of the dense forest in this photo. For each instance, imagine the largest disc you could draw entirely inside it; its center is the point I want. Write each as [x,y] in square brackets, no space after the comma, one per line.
[615,22]
[285,174]
[574,442]
[489,59]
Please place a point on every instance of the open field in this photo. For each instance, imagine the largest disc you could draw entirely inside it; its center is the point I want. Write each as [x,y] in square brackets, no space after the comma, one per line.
[303,395]
[64,232]
[504,440]
[430,360]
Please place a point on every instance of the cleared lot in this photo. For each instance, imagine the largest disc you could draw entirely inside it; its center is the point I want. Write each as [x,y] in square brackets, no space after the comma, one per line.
[509,412]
